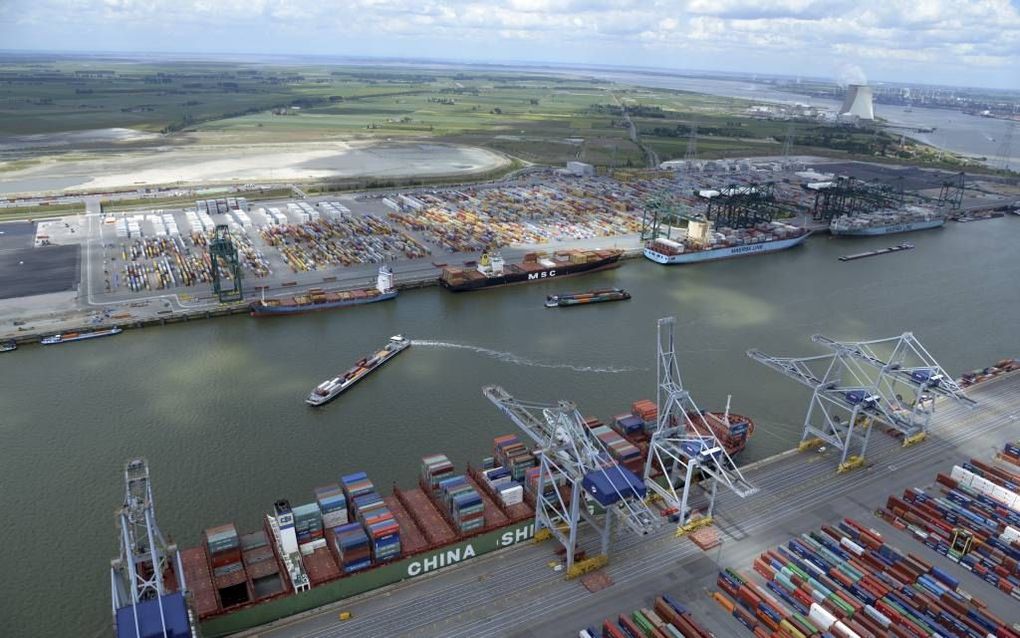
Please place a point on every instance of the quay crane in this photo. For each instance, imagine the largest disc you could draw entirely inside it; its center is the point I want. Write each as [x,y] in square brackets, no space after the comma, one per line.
[853,388]
[147,579]
[576,471]
[683,444]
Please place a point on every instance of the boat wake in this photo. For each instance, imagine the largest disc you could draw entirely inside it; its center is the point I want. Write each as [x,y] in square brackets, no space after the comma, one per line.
[509,357]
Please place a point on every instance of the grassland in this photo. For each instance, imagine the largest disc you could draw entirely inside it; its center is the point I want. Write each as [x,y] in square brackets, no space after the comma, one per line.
[534,118]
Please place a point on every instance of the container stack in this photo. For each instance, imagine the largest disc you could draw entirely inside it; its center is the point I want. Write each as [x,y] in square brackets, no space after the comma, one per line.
[307,523]
[434,469]
[667,617]
[847,581]
[383,531]
[355,485]
[352,547]
[501,483]
[463,503]
[622,450]
[333,505]
[511,454]
[229,576]
[647,411]
[628,424]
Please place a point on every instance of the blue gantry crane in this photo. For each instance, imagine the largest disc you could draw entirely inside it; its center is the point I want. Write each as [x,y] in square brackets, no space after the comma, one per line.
[147,579]
[579,481]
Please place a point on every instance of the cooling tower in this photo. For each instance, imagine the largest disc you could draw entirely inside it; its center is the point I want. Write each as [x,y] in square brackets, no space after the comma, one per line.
[858,102]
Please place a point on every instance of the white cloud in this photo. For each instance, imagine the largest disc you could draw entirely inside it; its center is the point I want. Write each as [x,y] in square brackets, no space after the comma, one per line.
[940,40]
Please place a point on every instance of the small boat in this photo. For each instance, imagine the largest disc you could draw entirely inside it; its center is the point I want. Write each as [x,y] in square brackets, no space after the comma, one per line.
[8,346]
[332,388]
[66,337]
[592,296]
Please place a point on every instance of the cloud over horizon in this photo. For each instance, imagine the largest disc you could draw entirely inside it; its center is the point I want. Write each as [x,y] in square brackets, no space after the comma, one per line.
[963,42]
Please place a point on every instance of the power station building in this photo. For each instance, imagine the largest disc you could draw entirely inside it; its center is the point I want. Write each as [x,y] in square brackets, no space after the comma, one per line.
[858,103]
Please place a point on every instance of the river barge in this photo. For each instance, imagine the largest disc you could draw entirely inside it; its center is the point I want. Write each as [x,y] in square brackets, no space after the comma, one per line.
[317,299]
[491,271]
[332,388]
[565,300]
[67,337]
[8,346]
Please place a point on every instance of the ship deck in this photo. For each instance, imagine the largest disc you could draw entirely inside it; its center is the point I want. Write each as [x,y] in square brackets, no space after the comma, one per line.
[412,539]
[424,512]
[798,493]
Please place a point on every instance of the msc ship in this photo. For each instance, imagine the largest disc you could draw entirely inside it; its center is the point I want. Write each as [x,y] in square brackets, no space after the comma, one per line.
[492,271]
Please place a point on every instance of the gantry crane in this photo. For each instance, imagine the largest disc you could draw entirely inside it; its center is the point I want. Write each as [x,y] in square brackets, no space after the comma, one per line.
[147,579]
[581,473]
[684,447]
[222,248]
[853,388]
[908,375]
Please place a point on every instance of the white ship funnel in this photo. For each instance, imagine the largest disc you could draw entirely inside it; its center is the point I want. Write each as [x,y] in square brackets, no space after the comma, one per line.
[385,280]
[285,520]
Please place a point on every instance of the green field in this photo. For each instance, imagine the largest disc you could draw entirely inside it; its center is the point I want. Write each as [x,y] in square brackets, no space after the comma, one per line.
[535,118]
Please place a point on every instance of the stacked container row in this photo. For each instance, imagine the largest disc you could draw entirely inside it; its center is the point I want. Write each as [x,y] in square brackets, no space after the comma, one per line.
[513,455]
[666,618]
[463,504]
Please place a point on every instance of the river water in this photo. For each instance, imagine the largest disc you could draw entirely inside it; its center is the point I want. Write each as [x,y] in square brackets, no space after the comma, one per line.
[217,406]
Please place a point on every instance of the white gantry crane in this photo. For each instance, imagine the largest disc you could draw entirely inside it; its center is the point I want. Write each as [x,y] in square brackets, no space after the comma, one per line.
[144,603]
[579,481]
[684,449]
[863,383]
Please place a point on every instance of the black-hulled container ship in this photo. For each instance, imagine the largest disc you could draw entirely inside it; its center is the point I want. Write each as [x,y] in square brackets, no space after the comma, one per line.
[317,299]
[351,539]
[565,300]
[492,271]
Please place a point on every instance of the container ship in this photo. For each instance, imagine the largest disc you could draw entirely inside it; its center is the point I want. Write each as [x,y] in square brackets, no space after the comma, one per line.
[332,388]
[492,271]
[350,538]
[581,298]
[702,243]
[66,337]
[317,300]
[886,222]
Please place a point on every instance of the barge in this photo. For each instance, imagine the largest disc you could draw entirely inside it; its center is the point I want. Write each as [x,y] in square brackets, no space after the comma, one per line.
[581,298]
[317,300]
[332,388]
[880,251]
[703,243]
[67,337]
[350,539]
[8,346]
[492,271]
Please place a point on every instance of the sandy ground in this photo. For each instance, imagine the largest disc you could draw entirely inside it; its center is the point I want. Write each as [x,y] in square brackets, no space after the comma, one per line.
[247,163]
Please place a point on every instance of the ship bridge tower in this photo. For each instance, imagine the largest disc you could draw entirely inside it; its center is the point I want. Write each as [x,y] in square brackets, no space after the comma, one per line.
[684,449]
[579,482]
[147,579]
[384,281]
[491,263]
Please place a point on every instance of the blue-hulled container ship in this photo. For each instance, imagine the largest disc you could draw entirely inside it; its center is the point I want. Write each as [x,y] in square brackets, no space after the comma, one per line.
[317,299]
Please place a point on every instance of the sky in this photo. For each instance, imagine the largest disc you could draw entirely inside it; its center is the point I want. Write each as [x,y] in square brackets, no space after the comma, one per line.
[955,42]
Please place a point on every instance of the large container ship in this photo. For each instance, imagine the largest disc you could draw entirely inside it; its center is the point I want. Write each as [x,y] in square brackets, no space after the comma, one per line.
[703,243]
[332,388]
[67,337]
[351,539]
[491,270]
[317,300]
[885,222]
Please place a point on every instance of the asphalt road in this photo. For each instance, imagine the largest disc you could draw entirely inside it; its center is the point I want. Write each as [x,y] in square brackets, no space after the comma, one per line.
[37,271]
[514,593]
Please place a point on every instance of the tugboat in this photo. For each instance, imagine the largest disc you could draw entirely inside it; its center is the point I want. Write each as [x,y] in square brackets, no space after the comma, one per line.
[580,298]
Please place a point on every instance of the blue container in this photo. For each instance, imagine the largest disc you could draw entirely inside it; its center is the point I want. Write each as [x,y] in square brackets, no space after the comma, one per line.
[607,486]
